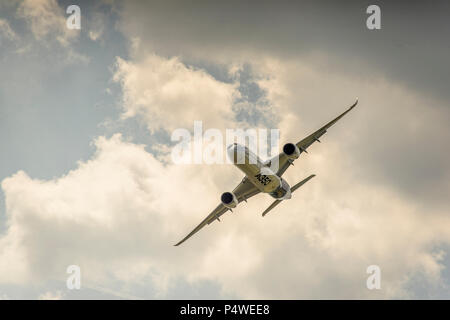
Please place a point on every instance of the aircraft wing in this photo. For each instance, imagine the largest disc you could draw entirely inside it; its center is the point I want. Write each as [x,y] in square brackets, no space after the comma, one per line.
[243,191]
[309,140]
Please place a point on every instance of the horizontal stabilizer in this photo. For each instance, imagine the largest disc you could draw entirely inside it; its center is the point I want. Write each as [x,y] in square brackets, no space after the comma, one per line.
[298,185]
[273,205]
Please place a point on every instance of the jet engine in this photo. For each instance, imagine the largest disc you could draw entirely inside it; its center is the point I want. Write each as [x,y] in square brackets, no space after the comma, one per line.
[229,200]
[291,151]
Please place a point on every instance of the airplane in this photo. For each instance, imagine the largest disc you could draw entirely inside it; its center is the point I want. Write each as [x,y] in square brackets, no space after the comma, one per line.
[260,178]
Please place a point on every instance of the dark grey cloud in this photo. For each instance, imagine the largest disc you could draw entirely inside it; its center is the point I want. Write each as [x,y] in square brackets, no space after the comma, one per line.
[411,46]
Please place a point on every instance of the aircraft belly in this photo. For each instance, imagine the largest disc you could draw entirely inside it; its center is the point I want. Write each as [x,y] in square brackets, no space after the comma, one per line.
[265,181]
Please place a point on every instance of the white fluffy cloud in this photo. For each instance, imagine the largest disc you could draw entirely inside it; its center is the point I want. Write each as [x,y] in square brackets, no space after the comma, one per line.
[118,215]
[85,217]
[167,94]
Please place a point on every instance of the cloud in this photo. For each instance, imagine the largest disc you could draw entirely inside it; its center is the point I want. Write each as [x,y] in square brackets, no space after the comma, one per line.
[6,30]
[118,215]
[379,196]
[388,139]
[58,295]
[409,48]
[128,191]
[168,94]
[45,18]
[305,54]
[47,23]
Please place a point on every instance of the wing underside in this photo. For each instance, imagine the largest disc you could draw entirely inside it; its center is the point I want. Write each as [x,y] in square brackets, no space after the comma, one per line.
[284,162]
[243,191]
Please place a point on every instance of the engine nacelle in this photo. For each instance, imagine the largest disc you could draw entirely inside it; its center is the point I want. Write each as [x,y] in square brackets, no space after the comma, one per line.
[229,200]
[291,151]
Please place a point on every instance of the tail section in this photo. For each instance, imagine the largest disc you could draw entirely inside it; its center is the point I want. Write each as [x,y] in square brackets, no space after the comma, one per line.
[298,185]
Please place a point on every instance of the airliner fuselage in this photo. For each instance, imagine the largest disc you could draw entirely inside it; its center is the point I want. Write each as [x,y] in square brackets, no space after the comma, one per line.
[258,172]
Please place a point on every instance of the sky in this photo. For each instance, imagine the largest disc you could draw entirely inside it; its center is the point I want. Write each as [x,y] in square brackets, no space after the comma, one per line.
[86,176]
